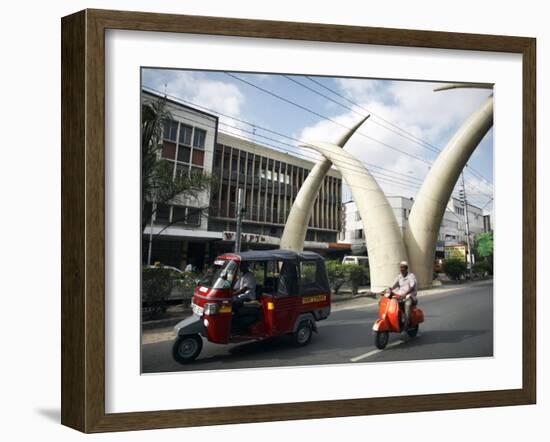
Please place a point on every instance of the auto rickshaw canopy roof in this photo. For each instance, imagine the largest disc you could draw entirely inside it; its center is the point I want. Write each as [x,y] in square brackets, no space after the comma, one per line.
[273,255]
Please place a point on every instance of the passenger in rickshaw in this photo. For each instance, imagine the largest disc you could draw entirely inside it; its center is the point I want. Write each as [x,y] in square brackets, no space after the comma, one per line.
[288,278]
[246,308]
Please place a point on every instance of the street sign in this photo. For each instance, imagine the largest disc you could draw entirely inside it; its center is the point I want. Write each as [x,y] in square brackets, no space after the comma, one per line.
[456,252]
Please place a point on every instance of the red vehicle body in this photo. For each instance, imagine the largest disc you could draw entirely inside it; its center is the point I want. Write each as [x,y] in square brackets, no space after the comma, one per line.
[391,318]
[292,294]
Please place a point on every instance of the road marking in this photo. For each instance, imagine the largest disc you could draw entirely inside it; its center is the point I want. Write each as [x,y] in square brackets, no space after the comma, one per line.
[376,351]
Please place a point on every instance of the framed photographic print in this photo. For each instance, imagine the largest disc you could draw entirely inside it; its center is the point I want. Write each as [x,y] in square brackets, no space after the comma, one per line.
[267,221]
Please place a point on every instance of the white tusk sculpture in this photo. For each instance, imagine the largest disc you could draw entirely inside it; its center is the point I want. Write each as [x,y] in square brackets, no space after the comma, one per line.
[428,209]
[294,233]
[382,233]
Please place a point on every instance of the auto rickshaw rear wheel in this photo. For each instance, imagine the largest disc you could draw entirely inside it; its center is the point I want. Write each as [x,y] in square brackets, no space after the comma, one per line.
[303,333]
[187,348]
[381,339]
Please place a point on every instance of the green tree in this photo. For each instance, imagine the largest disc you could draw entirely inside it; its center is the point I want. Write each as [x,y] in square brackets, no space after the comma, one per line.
[484,244]
[158,185]
[484,250]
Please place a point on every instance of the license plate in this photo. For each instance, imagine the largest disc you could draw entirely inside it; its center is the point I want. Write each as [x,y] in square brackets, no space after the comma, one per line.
[197,310]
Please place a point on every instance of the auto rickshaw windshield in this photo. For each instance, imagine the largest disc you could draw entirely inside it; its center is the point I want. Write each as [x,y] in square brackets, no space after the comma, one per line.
[220,275]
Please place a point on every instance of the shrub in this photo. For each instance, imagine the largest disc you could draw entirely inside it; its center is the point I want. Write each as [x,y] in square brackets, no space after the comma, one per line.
[482,268]
[339,274]
[186,283]
[336,275]
[454,268]
[357,275]
[157,284]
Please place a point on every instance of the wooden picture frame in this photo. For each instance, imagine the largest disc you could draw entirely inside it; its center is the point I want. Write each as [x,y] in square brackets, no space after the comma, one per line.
[83,219]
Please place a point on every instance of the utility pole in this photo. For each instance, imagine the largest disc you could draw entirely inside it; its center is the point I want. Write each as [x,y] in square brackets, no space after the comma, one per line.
[240,211]
[466,219]
[149,251]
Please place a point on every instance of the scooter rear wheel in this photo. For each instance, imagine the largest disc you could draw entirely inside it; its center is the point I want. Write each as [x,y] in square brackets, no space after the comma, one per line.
[412,332]
[381,339]
[186,348]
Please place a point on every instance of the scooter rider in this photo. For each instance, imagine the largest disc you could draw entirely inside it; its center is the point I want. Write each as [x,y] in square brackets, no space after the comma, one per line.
[406,285]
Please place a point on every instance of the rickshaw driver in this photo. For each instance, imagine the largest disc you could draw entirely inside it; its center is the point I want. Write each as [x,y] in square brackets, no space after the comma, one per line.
[406,285]
[245,291]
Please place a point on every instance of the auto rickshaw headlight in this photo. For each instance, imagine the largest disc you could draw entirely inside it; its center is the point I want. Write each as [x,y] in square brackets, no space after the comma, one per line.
[211,308]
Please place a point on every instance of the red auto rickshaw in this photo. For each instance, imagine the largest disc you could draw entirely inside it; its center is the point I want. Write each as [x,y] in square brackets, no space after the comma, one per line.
[292,294]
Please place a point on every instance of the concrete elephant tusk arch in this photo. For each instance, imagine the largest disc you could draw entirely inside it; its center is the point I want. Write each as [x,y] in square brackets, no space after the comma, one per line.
[294,233]
[429,206]
[382,233]
[386,245]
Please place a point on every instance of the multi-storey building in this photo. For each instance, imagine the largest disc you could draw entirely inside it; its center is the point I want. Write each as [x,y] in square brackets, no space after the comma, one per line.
[452,230]
[270,180]
[179,229]
[195,230]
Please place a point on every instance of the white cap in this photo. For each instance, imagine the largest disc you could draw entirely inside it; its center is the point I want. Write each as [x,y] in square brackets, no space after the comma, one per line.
[404,263]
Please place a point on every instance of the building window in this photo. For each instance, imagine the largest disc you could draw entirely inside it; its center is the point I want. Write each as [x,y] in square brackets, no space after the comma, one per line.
[181,169]
[169,150]
[178,214]
[184,154]
[405,214]
[185,134]
[198,157]
[163,213]
[169,166]
[186,215]
[193,216]
[196,171]
[170,130]
[357,216]
[199,138]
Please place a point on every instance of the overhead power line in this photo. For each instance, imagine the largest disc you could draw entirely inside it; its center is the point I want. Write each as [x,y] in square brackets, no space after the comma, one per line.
[324,117]
[310,157]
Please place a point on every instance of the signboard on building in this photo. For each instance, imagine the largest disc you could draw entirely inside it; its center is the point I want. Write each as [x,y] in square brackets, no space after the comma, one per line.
[456,252]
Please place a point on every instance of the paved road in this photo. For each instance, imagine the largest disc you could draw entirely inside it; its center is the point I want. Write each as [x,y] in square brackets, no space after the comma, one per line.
[458,323]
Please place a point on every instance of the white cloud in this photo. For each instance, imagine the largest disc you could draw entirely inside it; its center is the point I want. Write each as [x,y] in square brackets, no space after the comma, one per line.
[192,86]
[431,116]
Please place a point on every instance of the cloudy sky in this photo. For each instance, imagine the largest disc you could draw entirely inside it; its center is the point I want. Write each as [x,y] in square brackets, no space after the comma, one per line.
[409,122]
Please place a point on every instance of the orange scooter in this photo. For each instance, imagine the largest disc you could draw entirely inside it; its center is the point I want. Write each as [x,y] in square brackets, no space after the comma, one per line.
[392,317]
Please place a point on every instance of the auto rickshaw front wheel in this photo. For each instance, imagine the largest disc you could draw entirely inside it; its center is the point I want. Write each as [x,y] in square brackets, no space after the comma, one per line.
[187,348]
[381,339]
[303,333]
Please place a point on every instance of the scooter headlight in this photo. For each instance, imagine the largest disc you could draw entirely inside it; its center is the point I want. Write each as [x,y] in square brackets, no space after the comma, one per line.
[211,308]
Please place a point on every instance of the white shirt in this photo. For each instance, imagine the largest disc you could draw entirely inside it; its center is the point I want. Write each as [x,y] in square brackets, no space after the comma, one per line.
[405,283]
[249,281]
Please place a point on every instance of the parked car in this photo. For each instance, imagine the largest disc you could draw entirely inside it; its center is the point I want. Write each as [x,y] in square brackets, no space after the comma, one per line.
[358,260]
[180,292]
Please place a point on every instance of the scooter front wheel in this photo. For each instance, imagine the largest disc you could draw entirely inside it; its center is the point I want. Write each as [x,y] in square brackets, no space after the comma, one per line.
[186,348]
[381,339]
